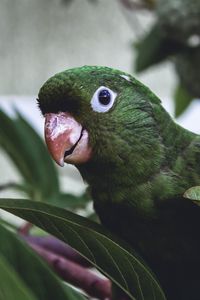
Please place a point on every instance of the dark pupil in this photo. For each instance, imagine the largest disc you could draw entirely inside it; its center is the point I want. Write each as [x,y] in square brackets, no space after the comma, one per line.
[104,97]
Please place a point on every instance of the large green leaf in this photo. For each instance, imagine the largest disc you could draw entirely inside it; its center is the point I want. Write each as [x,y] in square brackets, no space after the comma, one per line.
[70,201]
[108,254]
[29,154]
[11,285]
[31,270]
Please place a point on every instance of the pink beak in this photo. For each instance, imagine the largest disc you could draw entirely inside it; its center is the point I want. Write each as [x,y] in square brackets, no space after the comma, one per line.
[66,140]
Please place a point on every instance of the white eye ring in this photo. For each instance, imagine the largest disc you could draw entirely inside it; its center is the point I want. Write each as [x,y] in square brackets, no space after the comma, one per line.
[103,99]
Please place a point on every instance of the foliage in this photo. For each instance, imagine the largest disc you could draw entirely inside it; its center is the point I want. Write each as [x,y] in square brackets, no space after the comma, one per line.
[103,250]
[182,100]
[23,273]
[39,283]
[174,36]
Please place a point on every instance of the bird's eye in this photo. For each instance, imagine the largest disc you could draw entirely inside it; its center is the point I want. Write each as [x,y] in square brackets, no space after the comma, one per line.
[103,99]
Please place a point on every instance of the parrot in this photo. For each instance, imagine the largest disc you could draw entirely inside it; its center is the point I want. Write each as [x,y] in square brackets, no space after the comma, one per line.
[137,163]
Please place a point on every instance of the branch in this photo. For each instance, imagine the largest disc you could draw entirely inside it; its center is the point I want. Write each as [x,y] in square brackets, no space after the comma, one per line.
[76,275]
[57,247]
[25,229]
[69,264]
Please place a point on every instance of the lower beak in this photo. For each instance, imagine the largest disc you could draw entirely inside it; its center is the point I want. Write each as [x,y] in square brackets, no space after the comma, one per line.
[66,139]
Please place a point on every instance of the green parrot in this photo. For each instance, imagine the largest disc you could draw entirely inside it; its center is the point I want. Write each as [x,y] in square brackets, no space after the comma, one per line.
[137,162]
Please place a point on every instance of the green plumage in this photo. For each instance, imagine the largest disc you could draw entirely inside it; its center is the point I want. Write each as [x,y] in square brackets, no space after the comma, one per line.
[142,163]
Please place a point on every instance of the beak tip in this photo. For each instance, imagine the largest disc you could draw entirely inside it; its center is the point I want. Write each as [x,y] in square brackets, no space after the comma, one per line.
[61,162]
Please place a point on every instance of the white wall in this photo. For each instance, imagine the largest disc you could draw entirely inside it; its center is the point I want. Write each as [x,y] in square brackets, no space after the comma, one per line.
[41,37]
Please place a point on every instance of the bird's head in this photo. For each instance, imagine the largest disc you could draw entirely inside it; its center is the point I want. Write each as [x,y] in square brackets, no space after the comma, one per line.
[97,114]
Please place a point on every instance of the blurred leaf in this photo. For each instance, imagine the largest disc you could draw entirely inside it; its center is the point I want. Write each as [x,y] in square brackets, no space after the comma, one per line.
[29,154]
[12,287]
[8,140]
[104,251]
[9,225]
[41,163]
[182,100]
[67,2]
[71,202]
[31,269]
[154,48]
[16,186]
[193,194]
[93,217]
[73,294]
[93,1]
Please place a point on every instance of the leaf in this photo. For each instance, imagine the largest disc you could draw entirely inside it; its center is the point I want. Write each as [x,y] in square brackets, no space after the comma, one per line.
[193,194]
[41,162]
[154,48]
[29,154]
[12,287]
[16,186]
[70,201]
[31,269]
[182,100]
[73,294]
[8,140]
[108,254]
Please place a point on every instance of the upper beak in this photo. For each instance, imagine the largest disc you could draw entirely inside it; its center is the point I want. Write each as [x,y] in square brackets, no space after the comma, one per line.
[66,139]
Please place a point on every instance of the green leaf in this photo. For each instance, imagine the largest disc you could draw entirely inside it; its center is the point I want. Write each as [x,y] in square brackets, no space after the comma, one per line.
[154,48]
[40,162]
[70,201]
[108,254]
[73,294]
[11,286]
[32,270]
[29,154]
[193,194]
[9,140]
[182,100]
[16,186]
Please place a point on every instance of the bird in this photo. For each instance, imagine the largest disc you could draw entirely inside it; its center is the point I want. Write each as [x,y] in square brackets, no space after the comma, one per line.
[137,163]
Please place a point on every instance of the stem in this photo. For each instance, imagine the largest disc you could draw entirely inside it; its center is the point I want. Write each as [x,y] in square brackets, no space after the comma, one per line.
[57,247]
[25,229]
[76,275]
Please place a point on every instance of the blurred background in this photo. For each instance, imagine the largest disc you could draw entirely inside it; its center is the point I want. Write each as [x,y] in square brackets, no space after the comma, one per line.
[41,37]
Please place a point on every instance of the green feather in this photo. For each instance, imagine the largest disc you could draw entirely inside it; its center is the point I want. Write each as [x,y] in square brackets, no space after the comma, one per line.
[142,164]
